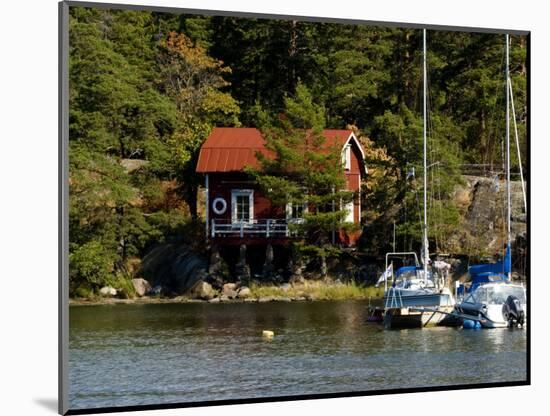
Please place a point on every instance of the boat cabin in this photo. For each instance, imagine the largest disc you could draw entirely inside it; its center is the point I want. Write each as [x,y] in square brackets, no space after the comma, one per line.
[237,212]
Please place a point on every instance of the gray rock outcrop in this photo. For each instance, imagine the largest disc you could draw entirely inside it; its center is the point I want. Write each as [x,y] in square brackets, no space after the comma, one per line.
[141,286]
[230,290]
[244,293]
[482,204]
[174,267]
[202,290]
[107,291]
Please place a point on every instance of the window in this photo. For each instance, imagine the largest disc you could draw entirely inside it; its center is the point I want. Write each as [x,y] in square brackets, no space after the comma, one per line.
[346,157]
[295,212]
[349,211]
[242,205]
[477,296]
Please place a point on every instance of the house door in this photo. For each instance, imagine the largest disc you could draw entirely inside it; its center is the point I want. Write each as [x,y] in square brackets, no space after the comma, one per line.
[349,207]
[242,203]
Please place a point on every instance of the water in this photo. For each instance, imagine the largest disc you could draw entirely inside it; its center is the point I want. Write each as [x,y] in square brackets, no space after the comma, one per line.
[123,355]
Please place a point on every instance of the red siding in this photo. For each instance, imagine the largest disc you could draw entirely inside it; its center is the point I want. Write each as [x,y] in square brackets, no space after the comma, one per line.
[221,185]
[226,152]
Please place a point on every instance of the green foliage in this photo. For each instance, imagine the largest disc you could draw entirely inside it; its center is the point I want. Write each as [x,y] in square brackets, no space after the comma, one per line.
[121,110]
[123,284]
[305,170]
[91,264]
[147,88]
[193,81]
[84,293]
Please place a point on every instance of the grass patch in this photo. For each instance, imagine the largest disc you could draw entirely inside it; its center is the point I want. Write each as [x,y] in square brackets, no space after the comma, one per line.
[318,290]
[124,285]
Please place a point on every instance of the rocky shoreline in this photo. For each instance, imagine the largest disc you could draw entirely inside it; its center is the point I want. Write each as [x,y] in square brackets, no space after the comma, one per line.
[202,292]
[183,299]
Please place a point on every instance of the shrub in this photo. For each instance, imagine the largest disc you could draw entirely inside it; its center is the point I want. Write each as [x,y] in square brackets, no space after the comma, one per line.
[90,265]
[83,292]
[123,284]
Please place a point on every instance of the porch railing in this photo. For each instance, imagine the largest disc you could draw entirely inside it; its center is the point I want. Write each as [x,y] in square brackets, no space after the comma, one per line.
[265,228]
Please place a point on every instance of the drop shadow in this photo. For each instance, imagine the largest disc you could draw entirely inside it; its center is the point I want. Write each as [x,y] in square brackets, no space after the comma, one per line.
[49,404]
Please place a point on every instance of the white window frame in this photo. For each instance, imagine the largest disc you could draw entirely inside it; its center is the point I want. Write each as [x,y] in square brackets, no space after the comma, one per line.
[242,192]
[288,210]
[349,142]
[349,207]
[346,156]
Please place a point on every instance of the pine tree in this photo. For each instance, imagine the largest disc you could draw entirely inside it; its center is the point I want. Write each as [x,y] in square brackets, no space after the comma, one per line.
[305,168]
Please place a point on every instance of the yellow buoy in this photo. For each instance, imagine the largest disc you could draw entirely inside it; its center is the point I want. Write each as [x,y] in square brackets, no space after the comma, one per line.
[268,334]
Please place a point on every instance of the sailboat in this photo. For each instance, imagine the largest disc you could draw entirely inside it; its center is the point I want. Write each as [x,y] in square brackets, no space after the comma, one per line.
[492,300]
[416,297]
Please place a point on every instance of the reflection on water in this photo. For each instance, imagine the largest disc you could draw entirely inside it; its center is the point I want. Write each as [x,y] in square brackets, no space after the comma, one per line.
[125,355]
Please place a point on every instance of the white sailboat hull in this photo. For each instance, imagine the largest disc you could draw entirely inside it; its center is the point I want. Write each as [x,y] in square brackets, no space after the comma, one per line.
[410,308]
[418,298]
[414,317]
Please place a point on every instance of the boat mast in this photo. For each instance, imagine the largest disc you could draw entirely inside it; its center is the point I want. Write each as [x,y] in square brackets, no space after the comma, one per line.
[425,225]
[508,197]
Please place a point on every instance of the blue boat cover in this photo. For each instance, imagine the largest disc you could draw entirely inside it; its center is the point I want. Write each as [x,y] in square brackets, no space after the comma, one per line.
[492,272]
[405,269]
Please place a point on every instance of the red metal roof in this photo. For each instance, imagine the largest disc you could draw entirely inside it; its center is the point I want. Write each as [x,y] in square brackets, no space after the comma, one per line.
[230,149]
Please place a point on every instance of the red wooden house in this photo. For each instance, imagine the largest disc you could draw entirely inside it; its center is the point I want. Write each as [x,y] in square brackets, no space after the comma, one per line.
[236,210]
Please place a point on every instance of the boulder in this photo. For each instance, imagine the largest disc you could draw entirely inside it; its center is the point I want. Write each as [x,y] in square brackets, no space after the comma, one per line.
[202,290]
[309,296]
[141,286]
[230,286]
[244,293]
[107,291]
[175,267]
[230,290]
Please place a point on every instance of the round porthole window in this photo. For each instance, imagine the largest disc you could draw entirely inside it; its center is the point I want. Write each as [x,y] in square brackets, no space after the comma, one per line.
[219,206]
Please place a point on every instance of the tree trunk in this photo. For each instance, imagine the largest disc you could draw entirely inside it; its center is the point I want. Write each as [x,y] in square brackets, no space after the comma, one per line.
[120,264]
[189,194]
[323,265]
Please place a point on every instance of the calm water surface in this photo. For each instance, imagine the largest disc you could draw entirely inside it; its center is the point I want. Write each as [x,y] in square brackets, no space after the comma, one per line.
[123,355]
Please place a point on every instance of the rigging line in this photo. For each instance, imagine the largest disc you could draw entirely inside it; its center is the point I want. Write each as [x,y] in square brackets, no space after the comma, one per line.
[435,174]
[517,144]
[405,222]
[494,122]
[493,114]
[508,195]
[419,210]
[503,196]
[440,205]
[433,205]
